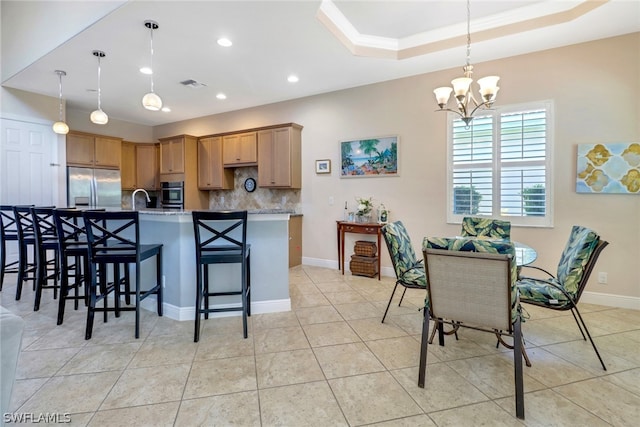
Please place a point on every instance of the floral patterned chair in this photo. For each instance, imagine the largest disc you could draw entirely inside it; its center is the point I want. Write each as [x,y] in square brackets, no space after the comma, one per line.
[472,283]
[408,268]
[486,227]
[563,291]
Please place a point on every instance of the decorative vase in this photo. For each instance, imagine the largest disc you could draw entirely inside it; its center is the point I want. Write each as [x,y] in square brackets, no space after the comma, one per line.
[364,218]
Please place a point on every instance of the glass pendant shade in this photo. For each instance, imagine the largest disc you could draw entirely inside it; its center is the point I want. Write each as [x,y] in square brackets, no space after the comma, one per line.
[442,95]
[461,86]
[152,102]
[60,128]
[99,117]
[489,87]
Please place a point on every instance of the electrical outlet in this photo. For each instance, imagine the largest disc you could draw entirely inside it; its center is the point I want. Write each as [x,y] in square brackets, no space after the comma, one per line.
[602,278]
[330,200]
[164,281]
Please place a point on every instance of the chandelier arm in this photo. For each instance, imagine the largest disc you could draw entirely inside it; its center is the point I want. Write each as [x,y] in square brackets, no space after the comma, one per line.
[486,105]
[451,111]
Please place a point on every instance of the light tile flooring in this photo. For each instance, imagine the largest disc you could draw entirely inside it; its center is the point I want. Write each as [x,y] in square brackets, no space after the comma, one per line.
[328,362]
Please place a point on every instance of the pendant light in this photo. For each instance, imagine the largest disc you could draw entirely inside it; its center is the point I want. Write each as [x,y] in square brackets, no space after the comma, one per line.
[98,116]
[60,127]
[465,102]
[151,101]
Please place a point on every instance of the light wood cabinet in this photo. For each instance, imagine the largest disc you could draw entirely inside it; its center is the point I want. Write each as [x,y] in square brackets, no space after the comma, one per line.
[139,166]
[295,240]
[279,157]
[172,155]
[90,150]
[240,149]
[211,172]
[128,166]
[147,166]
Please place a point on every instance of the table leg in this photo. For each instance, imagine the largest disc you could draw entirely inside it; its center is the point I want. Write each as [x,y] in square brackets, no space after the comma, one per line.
[342,249]
[379,250]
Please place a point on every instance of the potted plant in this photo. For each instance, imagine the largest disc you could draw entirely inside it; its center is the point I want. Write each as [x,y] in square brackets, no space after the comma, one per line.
[533,199]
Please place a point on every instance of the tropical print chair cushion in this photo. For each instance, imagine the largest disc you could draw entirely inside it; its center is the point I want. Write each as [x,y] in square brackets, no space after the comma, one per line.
[580,246]
[492,246]
[408,268]
[486,227]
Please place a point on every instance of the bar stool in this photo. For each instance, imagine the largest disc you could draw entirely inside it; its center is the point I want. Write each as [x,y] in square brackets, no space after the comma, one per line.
[73,248]
[46,238]
[26,241]
[114,239]
[221,238]
[8,233]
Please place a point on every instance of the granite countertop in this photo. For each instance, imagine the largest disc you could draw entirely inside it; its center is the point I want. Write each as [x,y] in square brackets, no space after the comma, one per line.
[161,211]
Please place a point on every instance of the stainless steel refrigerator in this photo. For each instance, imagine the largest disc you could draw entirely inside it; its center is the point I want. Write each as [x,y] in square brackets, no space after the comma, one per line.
[98,188]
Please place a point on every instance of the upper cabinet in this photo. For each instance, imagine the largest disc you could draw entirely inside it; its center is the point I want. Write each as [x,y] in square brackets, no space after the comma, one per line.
[211,172]
[240,149]
[279,157]
[172,155]
[85,149]
[147,166]
[128,166]
[139,166]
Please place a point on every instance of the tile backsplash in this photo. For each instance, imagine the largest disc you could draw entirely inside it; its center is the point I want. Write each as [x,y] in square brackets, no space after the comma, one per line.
[261,198]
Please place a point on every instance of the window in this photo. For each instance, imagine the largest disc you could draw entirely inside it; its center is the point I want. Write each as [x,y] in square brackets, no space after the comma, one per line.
[500,165]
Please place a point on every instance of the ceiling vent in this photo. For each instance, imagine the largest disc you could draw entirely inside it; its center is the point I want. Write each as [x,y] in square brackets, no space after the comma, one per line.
[192,83]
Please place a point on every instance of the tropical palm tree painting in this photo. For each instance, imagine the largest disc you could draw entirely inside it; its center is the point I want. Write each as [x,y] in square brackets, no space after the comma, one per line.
[369,157]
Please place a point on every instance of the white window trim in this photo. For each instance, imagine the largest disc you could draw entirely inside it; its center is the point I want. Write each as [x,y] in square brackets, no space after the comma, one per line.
[519,221]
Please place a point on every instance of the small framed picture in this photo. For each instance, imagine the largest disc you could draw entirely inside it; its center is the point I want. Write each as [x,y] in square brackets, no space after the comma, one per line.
[323,166]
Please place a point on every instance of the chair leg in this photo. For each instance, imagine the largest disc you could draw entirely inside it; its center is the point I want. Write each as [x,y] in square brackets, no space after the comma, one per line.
[423,350]
[206,291]
[389,304]
[517,365]
[249,285]
[41,273]
[92,288]
[3,260]
[137,307]
[402,297]
[578,323]
[159,284]
[593,344]
[244,298]
[196,335]
[22,267]
[64,290]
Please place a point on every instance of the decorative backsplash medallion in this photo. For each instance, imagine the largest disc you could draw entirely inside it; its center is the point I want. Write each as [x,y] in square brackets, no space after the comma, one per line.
[608,168]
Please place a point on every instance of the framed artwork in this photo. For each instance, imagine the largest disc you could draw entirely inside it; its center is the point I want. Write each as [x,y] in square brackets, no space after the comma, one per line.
[608,168]
[370,157]
[323,166]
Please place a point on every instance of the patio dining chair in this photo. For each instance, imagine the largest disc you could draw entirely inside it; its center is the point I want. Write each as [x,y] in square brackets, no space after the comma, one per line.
[486,227]
[471,283]
[562,291]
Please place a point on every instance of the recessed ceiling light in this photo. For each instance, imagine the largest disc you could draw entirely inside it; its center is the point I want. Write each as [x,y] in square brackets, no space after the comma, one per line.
[221,96]
[292,78]
[166,109]
[146,70]
[224,42]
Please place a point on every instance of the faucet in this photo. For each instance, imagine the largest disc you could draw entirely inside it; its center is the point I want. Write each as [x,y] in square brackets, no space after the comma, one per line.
[133,197]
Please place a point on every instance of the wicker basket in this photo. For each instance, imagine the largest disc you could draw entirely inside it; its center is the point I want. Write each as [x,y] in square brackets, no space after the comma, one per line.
[363,266]
[365,248]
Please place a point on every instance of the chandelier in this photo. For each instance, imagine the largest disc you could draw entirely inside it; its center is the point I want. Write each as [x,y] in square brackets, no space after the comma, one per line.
[467,105]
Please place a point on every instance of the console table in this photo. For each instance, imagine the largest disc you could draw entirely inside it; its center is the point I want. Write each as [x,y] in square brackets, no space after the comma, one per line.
[360,228]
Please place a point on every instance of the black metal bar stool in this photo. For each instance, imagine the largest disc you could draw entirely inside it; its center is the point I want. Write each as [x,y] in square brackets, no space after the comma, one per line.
[47,248]
[114,239]
[8,233]
[221,238]
[26,241]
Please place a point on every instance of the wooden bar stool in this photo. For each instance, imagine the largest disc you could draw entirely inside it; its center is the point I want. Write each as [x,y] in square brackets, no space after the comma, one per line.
[221,238]
[114,239]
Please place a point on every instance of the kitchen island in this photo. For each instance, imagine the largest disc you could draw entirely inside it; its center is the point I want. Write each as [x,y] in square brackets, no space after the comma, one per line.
[268,234]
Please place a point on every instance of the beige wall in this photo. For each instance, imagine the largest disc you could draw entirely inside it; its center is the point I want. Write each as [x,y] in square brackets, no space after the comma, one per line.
[594,87]
[133,132]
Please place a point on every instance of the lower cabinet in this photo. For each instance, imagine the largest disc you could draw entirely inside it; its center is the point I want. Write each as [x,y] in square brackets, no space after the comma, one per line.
[295,240]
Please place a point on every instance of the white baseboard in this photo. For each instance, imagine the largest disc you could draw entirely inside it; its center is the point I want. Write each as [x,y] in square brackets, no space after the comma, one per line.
[611,300]
[187,313]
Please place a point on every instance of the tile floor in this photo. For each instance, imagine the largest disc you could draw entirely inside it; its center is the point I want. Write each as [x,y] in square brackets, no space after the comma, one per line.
[328,362]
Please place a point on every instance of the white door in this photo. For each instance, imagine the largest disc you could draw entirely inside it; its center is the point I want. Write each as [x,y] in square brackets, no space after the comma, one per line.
[29,173]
